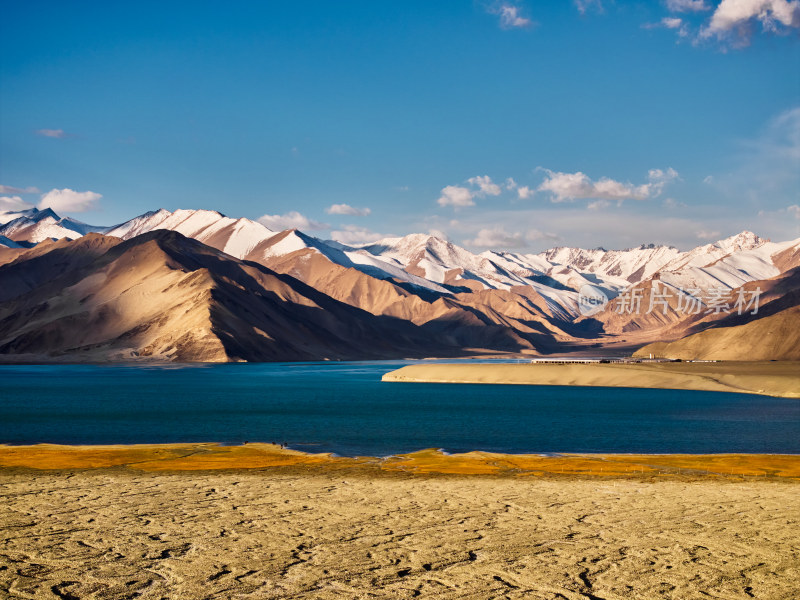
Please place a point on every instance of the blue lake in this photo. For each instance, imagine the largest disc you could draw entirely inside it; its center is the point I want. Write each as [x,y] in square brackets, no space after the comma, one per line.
[345,408]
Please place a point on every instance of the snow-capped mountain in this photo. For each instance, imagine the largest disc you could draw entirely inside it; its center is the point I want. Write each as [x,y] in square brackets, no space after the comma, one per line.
[250,240]
[36,225]
[443,262]
[236,237]
[726,265]
[434,265]
[631,265]
[710,253]
[292,241]
[492,300]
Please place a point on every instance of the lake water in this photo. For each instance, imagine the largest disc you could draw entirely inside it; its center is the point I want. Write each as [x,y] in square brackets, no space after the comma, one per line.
[346,409]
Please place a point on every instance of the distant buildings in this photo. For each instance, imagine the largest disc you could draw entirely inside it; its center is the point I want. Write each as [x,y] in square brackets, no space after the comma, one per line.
[565,361]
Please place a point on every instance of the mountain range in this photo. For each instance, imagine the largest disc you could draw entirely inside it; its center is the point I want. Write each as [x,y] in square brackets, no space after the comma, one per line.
[195,285]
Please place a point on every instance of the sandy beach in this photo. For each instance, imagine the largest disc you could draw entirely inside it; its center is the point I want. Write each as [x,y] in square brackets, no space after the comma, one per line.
[771,378]
[180,522]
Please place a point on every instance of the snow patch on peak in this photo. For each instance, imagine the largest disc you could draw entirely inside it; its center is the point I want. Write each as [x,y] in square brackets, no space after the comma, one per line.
[38,225]
[237,237]
[746,240]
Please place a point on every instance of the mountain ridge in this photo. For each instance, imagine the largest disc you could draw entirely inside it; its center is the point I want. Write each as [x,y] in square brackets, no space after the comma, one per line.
[494,301]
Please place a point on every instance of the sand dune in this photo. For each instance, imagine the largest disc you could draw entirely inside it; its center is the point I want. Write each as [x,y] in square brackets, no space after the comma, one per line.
[280,534]
[770,378]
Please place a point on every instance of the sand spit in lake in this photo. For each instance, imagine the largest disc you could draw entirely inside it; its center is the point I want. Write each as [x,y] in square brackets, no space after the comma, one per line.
[770,378]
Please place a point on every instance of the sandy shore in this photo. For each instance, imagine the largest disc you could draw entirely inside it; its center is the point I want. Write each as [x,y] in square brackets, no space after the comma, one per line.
[206,521]
[780,378]
[122,534]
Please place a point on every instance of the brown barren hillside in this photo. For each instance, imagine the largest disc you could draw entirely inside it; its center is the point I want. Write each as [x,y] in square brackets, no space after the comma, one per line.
[518,320]
[163,296]
[773,333]
[776,337]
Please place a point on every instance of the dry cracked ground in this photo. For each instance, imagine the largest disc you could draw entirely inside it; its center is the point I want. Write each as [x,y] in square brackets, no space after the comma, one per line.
[275,534]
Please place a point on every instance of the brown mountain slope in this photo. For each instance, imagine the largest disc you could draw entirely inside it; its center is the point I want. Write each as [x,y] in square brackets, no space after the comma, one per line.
[165,296]
[773,333]
[49,260]
[776,337]
[507,320]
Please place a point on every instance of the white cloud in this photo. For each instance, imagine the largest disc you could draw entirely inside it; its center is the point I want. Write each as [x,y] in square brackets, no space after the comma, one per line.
[52,133]
[353,235]
[572,186]
[671,203]
[10,189]
[672,22]
[584,6]
[707,234]
[290,220]
[454,195]
[13,203]
[794,209]
[346,209]
[598,205]
[659,179]
[734,17]
[510,16]
[68,200]
[687,5]
[497,237]
[658,175]
[482,186]
[524,192]
[485,185]
[535,235]
[708,179]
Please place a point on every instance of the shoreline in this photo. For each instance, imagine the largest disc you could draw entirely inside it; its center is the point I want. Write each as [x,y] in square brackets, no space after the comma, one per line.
[260,457]
[779,379]
[259,521]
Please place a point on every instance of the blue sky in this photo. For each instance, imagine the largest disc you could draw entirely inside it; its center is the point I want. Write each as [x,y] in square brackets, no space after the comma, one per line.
[517,125]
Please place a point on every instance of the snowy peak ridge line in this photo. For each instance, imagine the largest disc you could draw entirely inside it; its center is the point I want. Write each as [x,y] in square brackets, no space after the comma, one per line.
[751,258]
[293,240]
[31,213]
[431,263]
[631,265]
[36,225]
[434,259]
[236,237]
[710,253]
[250,240]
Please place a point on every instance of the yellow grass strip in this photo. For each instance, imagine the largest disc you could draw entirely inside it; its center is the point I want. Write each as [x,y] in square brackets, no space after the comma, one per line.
[212,457]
